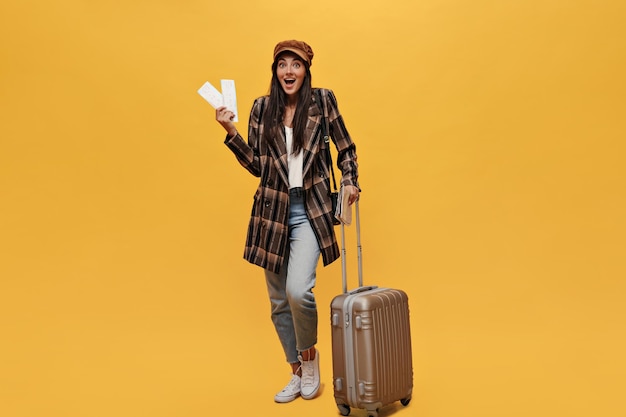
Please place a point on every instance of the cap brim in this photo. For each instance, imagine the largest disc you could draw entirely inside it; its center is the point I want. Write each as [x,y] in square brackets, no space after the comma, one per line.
[295,51]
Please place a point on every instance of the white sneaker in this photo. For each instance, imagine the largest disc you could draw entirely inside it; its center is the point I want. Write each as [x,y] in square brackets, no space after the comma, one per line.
[310,377]
[290,392]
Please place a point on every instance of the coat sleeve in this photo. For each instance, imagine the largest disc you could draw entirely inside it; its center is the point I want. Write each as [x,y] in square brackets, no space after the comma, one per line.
[346,149]
[247,153]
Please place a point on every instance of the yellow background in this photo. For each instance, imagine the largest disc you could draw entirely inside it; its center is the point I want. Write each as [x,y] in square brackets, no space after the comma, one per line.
[491,141]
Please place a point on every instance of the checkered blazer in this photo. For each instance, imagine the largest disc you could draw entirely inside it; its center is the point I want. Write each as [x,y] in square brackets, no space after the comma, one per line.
[267,231]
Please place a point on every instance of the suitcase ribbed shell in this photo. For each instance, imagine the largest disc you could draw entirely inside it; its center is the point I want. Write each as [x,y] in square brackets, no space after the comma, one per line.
[371,340]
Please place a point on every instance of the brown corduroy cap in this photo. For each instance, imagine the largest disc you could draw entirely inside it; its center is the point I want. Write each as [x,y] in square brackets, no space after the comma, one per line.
[299,48]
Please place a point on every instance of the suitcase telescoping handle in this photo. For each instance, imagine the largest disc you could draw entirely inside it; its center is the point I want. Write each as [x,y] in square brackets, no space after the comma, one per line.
[358,248]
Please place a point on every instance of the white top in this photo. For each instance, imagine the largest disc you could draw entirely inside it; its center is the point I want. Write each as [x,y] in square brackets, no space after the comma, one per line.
[294,162]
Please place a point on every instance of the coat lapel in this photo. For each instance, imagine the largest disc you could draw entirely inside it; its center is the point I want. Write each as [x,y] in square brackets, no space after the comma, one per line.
[311,135]
[279,154]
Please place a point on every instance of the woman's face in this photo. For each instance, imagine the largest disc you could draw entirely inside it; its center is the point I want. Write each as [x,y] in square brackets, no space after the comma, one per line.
[290,71]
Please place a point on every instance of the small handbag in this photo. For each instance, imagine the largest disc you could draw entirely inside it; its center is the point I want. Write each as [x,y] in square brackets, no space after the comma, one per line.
[334,194]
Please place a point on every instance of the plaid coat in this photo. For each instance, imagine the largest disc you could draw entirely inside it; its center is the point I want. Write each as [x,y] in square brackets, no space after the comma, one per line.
[267,231]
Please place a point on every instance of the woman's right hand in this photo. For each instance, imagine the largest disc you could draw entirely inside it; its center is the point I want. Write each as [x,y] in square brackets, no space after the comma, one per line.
[225,118]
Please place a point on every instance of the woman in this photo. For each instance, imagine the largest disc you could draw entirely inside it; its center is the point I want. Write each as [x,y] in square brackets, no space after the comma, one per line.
[291,222]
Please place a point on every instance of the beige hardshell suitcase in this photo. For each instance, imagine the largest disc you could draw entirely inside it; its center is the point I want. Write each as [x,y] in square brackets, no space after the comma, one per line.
[371,343]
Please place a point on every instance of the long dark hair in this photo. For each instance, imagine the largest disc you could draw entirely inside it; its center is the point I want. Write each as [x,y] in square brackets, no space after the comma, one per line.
[273,117]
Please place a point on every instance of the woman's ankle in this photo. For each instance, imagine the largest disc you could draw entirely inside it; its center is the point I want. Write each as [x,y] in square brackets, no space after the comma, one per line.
[295,369]
[309,354]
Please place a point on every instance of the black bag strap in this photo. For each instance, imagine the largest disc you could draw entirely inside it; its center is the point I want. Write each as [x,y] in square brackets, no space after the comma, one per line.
[329,158]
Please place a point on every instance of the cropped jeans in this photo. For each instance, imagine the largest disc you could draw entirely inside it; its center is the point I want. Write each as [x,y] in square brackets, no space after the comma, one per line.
[294,311]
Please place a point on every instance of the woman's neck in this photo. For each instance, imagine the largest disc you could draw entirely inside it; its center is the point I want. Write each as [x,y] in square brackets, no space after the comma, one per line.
[290,111]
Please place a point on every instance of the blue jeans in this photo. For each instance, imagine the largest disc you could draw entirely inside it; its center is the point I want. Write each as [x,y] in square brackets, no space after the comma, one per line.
[294,311]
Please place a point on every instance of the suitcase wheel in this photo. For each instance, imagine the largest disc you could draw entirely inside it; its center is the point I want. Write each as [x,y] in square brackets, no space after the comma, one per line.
[405,401]
[344,410]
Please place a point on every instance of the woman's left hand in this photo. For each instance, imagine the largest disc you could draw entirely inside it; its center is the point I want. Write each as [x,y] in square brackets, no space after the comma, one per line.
[353,193]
